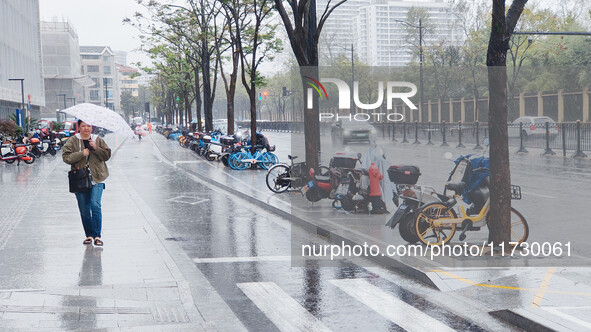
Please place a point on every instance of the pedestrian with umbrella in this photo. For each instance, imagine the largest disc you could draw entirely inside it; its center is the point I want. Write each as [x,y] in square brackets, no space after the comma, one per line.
[86,149]
[81,150]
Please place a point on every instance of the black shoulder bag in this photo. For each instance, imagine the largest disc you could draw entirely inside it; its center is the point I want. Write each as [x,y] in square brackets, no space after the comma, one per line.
[80,179]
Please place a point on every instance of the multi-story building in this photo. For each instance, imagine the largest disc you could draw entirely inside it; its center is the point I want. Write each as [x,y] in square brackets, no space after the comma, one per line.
[377,31]
[20,58]
[62,68]
[121,58]
[128,80]
[338,33]
[98,62]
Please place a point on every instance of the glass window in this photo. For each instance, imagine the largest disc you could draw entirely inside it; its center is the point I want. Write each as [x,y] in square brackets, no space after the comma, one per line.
[106,58]
[94,95]
[93,69]
[109,94]
[107,70]
[90,57]
[97,82]
[108,81]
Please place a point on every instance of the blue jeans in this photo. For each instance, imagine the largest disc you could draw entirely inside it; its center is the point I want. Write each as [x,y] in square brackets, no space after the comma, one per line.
[89,204]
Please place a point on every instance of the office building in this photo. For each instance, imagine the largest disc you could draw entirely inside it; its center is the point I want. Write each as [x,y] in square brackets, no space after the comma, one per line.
[98,62]
[379,37]
[20,58]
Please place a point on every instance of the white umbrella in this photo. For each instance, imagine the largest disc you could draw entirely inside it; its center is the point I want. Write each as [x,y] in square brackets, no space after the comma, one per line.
[100,117]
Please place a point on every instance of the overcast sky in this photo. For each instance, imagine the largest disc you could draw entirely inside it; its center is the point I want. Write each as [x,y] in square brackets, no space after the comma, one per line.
[98,23]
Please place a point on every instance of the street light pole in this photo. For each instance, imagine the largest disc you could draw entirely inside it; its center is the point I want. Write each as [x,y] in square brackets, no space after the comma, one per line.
[420,67]
[420,27]
[22,99]
[105,84]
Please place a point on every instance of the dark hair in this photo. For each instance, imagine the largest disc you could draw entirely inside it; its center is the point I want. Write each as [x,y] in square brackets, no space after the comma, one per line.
[79,121]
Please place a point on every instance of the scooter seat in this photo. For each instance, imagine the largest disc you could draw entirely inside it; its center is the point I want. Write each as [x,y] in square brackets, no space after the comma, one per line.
[290,157]
[321,178]
[457,187]
[19,145]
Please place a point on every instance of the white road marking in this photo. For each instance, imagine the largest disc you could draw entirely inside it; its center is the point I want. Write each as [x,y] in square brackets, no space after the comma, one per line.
[390,307]
[188,200]
[242,259]
[538,195]
[285,312]
[568,317]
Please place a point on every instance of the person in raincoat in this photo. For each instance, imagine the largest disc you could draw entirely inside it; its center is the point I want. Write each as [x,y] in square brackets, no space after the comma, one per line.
[376,155]
[375,191]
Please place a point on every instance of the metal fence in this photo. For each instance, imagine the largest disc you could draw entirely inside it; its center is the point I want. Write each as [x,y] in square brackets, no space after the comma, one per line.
[554,138]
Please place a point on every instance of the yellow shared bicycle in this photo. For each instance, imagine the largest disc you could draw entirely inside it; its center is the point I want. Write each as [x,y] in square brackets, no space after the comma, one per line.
[436,222]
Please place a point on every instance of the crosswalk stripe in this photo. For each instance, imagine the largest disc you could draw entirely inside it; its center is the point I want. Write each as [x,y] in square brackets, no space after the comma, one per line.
[393,309]
[285,312]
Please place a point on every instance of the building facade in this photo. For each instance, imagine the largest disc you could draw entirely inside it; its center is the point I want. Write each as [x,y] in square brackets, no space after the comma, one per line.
[128,80]
[20,57]
[379,36]
[98,62]
[62,68]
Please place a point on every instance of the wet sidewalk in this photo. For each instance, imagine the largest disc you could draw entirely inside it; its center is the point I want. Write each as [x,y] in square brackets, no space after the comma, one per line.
[533,298]
[50,281]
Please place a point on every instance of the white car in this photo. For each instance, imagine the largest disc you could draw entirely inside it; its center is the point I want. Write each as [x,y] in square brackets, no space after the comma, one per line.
[533,126]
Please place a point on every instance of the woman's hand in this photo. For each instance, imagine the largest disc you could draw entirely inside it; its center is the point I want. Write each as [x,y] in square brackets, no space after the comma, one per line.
[86,152]
[92,144]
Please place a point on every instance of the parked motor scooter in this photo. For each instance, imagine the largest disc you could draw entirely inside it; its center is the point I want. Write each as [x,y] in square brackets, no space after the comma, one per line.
[318,187]
[13,151]
[412,197]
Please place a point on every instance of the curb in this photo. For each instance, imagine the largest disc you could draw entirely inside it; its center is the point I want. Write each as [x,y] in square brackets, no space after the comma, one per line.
[332,237]
[519,318]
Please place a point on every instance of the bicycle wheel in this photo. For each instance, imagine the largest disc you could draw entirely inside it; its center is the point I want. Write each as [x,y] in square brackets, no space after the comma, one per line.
[268,160]
[519,227]
[427,232]
[278,178]
[236,161]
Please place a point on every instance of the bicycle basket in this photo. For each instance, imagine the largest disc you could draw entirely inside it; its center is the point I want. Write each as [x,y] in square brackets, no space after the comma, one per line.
[515,192]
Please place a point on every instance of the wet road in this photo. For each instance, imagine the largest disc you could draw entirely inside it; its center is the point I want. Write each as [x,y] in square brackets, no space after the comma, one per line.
[244,253]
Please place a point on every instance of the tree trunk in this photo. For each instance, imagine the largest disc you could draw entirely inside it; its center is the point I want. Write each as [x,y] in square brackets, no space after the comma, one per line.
[230,106]
[207,102]
[311,119]
[198,99]
[500,179]
[253,117]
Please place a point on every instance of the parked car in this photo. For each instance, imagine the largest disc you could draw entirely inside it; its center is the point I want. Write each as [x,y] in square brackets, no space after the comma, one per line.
[351,131]
[533,126]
